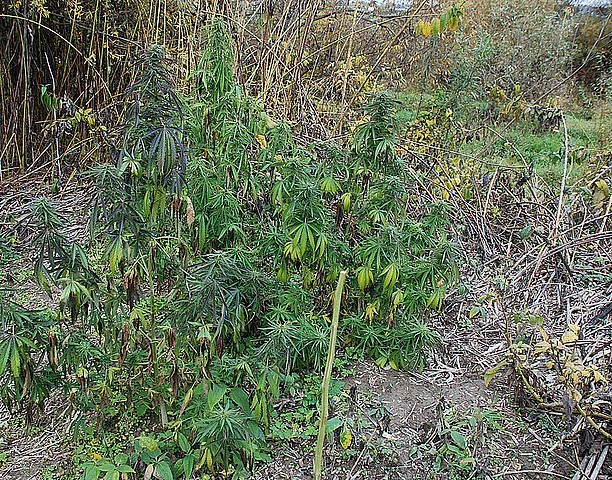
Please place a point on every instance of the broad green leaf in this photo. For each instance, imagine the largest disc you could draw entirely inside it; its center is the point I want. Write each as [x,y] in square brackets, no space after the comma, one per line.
[475,311]
[121,459]
[125,469]
[148,443]
[458,439]
[241,399]
[107,467]
[333,424]
[535,320]
[188,462]
[526,232]
[183,442]
[163,471]
[215,395]
[112,475]
[92,473]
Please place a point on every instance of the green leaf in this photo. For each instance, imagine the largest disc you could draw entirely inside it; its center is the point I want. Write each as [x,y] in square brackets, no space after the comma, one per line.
[15,361]
[115,254]
[303,240]
[4,355]
[112,475]
[92,473]
[163,471]
[188,462]
[393,364]
[381,361]
[125,469]
[241,399]
[148,443]
[215,395]
[526,232]
[454,449]
[458,439]
[107,467]
[535,320]
[183,442]
[333,424]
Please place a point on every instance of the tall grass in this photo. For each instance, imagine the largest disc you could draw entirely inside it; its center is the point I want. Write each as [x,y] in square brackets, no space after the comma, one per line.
[308,62]
[64,65]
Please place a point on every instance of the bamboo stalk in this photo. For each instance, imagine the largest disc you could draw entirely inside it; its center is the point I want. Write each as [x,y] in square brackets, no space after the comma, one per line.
[318,463]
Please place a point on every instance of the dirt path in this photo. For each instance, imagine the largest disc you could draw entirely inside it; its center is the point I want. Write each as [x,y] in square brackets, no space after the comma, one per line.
[506,446]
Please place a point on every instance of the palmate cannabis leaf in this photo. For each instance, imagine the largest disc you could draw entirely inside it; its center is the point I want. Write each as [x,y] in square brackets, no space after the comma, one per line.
[26,381]
[223,292]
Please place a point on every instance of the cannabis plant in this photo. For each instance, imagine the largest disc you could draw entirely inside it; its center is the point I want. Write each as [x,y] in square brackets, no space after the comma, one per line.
[28,356]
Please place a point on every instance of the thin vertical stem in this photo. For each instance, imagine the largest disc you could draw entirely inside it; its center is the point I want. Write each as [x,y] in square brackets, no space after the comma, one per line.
[318,466]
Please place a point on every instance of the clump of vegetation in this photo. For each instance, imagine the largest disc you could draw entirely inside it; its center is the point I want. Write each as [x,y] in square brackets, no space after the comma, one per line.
[219,241]
[218,230]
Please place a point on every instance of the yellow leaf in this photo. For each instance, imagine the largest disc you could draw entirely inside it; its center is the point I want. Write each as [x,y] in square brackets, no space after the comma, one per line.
[489,374]
[371,311]
[346,438]
[575,378]
[418,28]
[426,29]
[346,201]
[569,337]
[601,193]
[556,344]
[365,277]
[397,297]
[391,275]
[148,442]
[602,185]
[576,395]
[542,347]
[262,141]
[283,275]
[435,299]
[190,212]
